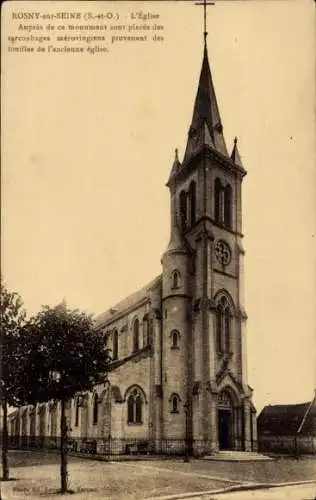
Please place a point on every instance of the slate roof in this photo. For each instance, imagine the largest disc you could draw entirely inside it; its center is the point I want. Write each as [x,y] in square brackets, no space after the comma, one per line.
[127,303]
[285,420]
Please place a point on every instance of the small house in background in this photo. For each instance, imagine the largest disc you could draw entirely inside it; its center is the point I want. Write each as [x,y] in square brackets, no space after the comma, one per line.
[288,428]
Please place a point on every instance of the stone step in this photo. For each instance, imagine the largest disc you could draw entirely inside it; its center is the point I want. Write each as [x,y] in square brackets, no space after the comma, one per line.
[238,456]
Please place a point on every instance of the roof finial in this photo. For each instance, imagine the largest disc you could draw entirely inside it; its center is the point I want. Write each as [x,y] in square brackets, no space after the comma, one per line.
[235,140]
[205,3]
[176,154]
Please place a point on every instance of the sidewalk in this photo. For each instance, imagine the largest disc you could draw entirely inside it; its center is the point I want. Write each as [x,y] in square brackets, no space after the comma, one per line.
[297,492]
[249,491]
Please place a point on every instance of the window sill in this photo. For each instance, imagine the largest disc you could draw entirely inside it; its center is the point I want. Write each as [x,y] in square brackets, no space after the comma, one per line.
[175,347]
[137,424]
[174,411]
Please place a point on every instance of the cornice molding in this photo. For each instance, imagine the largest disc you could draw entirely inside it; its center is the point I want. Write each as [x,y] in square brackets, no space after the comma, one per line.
[194,161]
[180,295]
[224,273]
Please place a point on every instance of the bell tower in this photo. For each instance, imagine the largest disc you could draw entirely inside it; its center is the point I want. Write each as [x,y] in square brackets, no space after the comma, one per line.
[206,242]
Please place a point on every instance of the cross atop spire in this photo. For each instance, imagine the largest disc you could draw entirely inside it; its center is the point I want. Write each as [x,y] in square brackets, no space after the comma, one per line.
[205,3]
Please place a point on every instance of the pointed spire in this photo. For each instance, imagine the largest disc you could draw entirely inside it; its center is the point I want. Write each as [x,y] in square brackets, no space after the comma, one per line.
[206,112]
[176,164]
[235,156]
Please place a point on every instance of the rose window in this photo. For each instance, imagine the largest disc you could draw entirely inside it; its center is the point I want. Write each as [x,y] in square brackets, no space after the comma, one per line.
[222,252]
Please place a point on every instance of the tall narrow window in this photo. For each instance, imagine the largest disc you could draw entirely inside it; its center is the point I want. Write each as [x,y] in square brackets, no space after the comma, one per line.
[135,407]
[192,198]
[175,279]
[174,403]
[223,326]
[146,330]
[227,330]
[130,409]
[221,206]
[219,331]
[228,206]
[183,210]
[95,409]
[138,409]
[77,412]
[175,339]
[136,335]
[217,192]
[115,345]
[223,203]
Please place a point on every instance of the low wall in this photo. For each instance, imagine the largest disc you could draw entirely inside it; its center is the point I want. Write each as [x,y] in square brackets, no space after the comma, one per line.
[293,445]
[108,447]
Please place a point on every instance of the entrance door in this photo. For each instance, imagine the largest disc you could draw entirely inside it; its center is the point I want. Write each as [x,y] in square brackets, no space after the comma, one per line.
[224,429]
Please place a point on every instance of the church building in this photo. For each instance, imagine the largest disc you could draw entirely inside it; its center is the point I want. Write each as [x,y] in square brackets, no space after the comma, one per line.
[179,362]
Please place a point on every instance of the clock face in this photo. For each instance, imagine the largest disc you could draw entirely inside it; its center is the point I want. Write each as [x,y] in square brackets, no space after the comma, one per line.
[222,252]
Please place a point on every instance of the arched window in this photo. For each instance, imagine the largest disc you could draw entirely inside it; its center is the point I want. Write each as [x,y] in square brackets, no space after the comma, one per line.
[95,409]
[227,329]
[135,407]
[174,403]
[77,407]
[175,277]
[223,325]
[175,335]
[219,331]
[222,206]
[146,330]
[223,197]
[115,345]
[228,206]
[192,198]
[183,210]
[136,335]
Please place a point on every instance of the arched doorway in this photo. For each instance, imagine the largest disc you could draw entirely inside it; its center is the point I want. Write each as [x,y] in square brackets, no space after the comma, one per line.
[225,421]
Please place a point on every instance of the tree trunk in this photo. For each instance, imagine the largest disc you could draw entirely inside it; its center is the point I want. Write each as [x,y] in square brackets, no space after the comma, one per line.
[63,449]
[5,441]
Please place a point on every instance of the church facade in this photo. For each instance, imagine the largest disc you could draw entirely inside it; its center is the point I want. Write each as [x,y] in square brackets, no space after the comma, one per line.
[178,372]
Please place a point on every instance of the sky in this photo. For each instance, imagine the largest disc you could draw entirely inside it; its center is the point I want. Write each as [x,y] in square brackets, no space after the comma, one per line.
[88,143]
